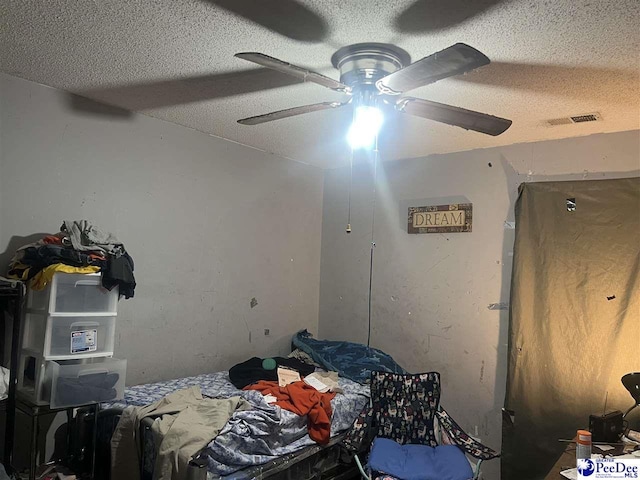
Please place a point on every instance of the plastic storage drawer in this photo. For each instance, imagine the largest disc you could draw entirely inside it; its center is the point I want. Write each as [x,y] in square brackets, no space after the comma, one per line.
[32,379]
[69,337]
[33,332]
[74,293]
[91,380]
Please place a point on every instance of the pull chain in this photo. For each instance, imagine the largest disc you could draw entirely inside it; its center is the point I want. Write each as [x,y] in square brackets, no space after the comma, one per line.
[373,243]
[350,188]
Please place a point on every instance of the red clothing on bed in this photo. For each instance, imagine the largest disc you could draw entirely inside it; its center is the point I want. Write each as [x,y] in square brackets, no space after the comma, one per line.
[302,399]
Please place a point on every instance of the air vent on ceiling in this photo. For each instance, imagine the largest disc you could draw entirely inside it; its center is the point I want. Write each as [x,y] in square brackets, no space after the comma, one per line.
[589,117]
[586,117]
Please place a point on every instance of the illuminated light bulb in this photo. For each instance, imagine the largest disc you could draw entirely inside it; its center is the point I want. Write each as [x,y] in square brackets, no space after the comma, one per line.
[365,127]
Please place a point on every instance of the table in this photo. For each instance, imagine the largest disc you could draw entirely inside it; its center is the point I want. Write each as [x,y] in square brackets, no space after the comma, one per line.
[568,458]
[35,411]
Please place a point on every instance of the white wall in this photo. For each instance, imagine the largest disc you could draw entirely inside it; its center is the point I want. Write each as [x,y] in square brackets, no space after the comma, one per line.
[209,223]
[431,292]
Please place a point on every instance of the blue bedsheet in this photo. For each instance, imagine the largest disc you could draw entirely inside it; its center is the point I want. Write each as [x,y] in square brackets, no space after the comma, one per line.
[256,436]
[351,360]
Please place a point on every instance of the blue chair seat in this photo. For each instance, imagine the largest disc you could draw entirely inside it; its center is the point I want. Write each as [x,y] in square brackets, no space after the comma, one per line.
[419,462]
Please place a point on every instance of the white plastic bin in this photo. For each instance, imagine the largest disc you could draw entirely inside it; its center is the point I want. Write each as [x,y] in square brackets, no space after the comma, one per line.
[68,383]
[32,381]
[92,380]
[33,332]
[61,338]
[74,293]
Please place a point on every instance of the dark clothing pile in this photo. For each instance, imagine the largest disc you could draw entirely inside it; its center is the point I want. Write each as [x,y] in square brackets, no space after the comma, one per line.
[78,244]
[90,388]
[253,371]
[34,258]
[119,272]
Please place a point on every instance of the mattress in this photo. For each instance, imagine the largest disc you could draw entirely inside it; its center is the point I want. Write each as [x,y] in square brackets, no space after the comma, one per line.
[251,438]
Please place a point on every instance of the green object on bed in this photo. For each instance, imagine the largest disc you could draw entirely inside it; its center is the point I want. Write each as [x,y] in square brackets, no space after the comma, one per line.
[269,364]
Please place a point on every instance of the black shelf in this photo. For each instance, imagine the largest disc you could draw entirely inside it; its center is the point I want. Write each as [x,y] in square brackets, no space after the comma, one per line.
[12,299]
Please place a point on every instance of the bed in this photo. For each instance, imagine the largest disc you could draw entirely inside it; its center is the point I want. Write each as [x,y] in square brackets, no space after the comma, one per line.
[265,441]
[251,438]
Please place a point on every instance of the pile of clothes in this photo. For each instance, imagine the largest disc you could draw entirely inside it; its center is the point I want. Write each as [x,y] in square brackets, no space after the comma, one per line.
[184,421]
[79,247]
[309,395]
[90,388]
[256,369]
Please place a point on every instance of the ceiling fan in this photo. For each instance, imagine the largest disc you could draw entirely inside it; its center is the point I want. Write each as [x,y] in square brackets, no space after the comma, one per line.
[375,76]
[371,74]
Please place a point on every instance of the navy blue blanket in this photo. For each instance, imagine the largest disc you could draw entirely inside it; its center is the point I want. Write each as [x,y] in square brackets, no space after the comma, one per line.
[351,360]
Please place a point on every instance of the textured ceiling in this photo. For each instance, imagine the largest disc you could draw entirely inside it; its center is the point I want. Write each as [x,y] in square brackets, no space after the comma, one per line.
[550,58]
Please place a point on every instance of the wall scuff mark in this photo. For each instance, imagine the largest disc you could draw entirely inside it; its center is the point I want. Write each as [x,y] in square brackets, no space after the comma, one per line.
[498,306]
[437,263]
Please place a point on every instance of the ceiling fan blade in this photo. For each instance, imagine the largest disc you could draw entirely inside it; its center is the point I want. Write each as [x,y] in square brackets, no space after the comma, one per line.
[456,116]
[294,70]
[433,15]
[286,17]
[456,59]
[290,112]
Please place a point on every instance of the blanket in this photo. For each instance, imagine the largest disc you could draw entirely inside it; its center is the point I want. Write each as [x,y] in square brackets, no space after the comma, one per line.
[351,360]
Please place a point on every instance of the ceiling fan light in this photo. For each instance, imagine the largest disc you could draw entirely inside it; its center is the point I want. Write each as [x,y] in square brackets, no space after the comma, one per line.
[366,124]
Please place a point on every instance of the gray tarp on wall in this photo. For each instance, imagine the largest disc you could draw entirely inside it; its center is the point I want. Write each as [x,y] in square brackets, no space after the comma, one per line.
[575,315]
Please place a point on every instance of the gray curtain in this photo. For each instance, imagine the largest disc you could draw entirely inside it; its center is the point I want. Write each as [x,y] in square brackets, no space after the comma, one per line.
[575,315]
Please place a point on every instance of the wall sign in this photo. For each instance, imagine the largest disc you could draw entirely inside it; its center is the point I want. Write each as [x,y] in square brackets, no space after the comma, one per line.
[452,218]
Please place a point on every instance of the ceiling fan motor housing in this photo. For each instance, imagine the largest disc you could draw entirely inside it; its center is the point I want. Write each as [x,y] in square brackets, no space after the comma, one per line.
[361,65]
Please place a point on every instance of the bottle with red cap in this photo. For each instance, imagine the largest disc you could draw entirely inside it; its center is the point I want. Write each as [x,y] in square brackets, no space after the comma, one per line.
[583,445]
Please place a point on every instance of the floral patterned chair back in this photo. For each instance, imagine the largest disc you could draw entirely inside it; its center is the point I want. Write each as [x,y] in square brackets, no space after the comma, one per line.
[404,406]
